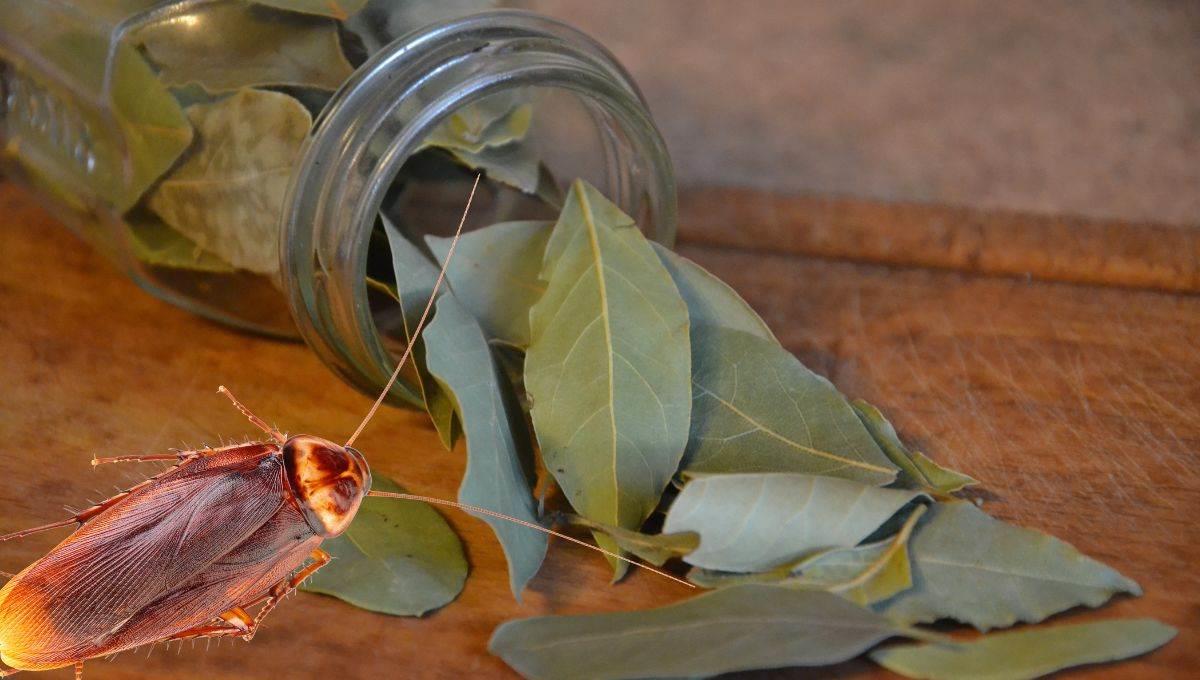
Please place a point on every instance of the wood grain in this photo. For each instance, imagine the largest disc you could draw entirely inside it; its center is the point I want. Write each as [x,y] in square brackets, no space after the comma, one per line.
[1078,406]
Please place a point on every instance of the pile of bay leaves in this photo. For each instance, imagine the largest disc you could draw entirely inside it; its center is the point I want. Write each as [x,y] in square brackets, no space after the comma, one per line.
[654,396]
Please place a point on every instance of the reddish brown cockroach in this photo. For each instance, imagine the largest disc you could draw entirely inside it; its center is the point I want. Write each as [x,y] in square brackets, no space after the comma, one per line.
[186,553]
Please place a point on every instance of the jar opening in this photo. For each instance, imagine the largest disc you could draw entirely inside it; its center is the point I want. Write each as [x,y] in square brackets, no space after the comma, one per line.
[570,110]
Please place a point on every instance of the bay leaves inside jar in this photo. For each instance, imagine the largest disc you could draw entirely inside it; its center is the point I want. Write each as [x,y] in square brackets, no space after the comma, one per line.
[225,46]
[228,192]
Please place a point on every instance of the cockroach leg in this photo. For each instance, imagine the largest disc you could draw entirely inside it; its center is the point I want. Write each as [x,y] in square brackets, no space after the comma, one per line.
[319,559]
[5,672]
[78,670]
[238,618]
[176,457]
[45,527]
[258,422]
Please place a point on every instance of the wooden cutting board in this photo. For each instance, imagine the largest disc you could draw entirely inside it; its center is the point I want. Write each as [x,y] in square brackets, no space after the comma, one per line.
[1072,390]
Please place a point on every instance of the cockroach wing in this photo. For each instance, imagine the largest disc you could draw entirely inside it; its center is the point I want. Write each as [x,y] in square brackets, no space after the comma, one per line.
[240,578]
[145,546]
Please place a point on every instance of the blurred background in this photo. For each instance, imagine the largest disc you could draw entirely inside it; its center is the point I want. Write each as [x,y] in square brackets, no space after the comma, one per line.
[1083,108]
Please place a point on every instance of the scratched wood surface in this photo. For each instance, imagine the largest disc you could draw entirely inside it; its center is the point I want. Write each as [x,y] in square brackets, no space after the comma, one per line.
[1077,405]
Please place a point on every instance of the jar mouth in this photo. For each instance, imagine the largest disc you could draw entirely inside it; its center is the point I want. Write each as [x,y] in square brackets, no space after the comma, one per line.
[379,119]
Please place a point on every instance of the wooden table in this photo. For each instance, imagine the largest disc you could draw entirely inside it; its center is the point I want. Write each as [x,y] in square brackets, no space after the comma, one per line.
[1055,360]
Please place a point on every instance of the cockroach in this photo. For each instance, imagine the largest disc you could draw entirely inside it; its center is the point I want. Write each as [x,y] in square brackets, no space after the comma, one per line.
[187,553]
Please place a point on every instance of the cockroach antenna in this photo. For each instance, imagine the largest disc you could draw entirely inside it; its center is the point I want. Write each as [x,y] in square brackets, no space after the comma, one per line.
[420,324]
[470,509]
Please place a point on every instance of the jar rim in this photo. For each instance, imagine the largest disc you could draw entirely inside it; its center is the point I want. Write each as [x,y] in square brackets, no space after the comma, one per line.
[377,119]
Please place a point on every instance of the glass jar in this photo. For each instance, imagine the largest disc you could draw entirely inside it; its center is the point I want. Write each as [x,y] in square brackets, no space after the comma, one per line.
[239,171]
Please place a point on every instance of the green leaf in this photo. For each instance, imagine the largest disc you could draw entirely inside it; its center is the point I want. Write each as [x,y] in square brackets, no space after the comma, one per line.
[978,570]
[710,301]
[158,245]
[515,164]
[737,628]
[398,557]
[337,9]
[1027,653]
[754,522]
[415,277]
[489,135]
[494,274]
[493,121]
[228,194]
[653,548]
[499,452]
[864,574]
[227,46]
[916,469]
[756,408]
[607,368]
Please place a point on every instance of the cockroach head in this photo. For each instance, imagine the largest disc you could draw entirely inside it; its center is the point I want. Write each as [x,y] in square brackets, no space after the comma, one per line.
[328,481]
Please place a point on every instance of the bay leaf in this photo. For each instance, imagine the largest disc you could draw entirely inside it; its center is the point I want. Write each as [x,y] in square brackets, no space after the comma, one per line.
[158,245]
[227,46]
[756,408]
[975,569]
[758,521]
[228,194]
[514,164]
[398,557]
[710,301]
[495,275]
[916,469]
[608,364]
[336,9]
[493,121]
[864,574]
[499,453]
[415,276]
[1027,653]
[731,629]
[653,548]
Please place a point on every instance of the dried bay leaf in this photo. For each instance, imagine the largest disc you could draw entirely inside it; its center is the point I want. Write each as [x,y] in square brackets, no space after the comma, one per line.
[608,364]
[736,628]
[499,453]
[494,274]
[493,121]
[398,557]
[755,522]
[975,569]
[415,276]
[916,469]
[158,245]
[1027,653]
[756,408]
[336,9]
[653,548]
[228,194]
[710,301]
[227,46]
[515,164]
